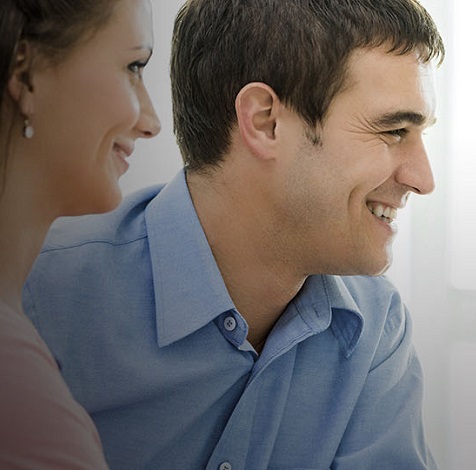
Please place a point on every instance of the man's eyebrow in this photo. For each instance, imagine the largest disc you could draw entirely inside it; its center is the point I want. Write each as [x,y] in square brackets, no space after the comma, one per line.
[401,117]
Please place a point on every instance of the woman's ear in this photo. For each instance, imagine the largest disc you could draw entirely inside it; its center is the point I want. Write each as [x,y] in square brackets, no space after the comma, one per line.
[257,109]
[20,85]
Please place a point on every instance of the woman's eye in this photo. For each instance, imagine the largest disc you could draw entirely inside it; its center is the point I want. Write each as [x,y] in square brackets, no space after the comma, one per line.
[137,67]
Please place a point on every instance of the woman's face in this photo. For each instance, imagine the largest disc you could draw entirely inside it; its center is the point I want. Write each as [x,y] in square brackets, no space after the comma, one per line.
[89,110]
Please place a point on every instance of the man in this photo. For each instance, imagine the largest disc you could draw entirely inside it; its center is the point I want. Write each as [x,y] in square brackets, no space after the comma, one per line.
[227,320]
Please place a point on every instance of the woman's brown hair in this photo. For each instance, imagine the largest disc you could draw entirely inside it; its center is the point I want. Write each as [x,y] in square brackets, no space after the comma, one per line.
[53,27]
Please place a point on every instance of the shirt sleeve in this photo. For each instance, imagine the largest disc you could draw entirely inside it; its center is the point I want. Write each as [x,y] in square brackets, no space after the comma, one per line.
[41,425]
[386,429]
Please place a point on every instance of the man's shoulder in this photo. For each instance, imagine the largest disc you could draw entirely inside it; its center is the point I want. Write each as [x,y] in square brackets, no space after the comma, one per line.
[377,296]
[375,287]
[365,291]
[386,319]
[377,300]
[121,226]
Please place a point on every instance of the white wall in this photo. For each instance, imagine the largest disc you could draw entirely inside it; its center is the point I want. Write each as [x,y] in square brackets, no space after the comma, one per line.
[422,254]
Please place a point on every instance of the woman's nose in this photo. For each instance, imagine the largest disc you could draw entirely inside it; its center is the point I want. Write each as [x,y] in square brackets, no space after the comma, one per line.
[148,124]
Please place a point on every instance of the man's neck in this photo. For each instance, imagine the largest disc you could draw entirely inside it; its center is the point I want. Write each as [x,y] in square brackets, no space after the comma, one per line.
[259,282]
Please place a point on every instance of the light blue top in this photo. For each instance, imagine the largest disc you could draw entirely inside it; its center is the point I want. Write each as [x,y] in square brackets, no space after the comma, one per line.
[134,309]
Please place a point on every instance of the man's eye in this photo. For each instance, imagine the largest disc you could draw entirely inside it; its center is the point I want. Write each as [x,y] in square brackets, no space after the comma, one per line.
[397,133]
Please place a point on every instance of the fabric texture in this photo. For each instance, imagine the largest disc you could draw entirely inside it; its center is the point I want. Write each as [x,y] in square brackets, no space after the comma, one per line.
[41,426]
[136,312]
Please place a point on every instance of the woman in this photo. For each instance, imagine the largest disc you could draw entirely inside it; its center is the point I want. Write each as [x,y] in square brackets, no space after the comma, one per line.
[72,105]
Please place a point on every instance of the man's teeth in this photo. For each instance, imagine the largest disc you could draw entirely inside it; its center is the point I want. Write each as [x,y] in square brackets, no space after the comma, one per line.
[382,211]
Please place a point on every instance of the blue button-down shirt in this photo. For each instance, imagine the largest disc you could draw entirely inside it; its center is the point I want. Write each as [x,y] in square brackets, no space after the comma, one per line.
[134,309]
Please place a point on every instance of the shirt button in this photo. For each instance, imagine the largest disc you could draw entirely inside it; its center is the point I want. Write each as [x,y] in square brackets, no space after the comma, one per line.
[230,325]
[226,465]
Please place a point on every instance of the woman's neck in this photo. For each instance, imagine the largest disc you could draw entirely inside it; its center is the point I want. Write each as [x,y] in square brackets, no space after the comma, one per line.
[23,227]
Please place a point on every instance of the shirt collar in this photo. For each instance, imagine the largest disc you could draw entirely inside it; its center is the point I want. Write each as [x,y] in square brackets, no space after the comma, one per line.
[323,302]
[190,291]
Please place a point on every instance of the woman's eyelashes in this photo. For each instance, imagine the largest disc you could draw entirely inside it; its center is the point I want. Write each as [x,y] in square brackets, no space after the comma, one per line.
[137,67]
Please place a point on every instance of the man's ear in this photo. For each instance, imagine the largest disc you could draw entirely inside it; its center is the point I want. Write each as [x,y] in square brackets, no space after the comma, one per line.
[20,85]
[257,109]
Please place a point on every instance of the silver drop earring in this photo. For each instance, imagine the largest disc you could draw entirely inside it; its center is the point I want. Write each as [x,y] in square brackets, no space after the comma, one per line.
[28,131]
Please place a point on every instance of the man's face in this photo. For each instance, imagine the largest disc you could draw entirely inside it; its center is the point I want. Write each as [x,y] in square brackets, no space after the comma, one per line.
[342,195]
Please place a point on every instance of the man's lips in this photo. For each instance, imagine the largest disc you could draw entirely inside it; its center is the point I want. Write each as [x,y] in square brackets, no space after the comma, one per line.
[382,211]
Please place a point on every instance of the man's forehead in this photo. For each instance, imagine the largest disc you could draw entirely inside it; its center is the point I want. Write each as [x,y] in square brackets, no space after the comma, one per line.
[374,61]
[399,83]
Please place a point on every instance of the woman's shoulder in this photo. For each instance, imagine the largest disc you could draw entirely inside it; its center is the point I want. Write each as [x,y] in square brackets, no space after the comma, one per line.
[41,422]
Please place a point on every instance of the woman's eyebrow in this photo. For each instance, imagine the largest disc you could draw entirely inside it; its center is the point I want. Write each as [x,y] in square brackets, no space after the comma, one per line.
[143,47]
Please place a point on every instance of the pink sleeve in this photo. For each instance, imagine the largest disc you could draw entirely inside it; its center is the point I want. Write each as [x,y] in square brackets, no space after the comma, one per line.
[41,425]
